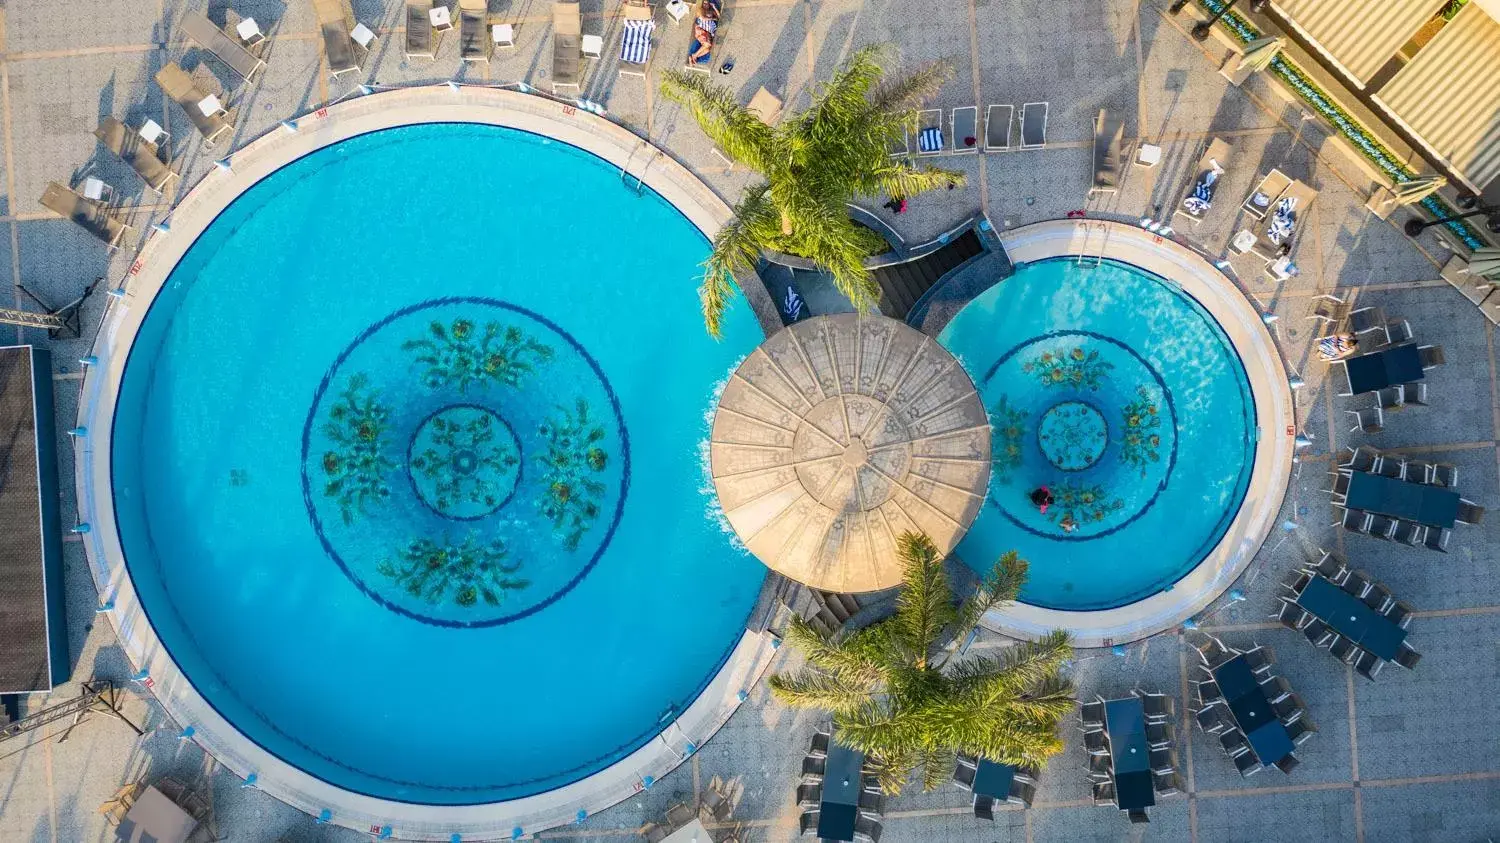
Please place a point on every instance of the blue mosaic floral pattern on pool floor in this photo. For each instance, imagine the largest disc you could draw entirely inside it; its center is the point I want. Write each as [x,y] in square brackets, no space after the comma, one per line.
[465,462]
[1092,431]
[1072,435]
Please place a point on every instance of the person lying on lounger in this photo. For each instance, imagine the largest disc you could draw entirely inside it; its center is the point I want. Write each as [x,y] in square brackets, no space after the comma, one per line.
[703,33]
[705,26]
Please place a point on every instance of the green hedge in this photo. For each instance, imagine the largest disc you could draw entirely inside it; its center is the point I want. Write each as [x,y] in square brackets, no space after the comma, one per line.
[1344,122]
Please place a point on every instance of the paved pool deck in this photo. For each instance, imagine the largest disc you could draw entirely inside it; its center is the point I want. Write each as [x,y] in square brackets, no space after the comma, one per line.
[1407,758]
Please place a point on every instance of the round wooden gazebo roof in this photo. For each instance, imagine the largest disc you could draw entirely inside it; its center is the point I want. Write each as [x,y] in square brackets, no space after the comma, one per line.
[839,434]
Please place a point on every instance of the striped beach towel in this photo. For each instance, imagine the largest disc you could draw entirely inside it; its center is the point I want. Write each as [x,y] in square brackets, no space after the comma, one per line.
[930,140]
[635,41]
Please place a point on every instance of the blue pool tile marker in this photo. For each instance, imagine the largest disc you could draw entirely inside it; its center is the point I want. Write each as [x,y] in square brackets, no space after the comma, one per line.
[250,780]
[582,815]
[648,781]
[325,816]
[515,833]
[141,675]
[1118,649]
[187,733]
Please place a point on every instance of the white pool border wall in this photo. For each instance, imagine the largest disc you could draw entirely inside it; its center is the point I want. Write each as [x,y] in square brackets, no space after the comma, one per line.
[1276,429]
[638,158]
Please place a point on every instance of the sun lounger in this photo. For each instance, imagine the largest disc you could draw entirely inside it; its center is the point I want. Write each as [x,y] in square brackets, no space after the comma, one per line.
[474,42]
[901,147]
[133,149]
[997,122]
[567,46]
[227,50]
[336,24]
[708,18]
[1034,125]
[1276,236]
[635,39]
[91,215]
[1200,196]
[1269,190]
[203,108]
[964,125]
[1108,133]
[766,106]
[421,37]
[930,132]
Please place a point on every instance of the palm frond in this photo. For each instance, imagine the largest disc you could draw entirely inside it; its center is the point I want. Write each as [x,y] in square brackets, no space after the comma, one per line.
[937,767]
[923,608]
[905,180]
[737,246]
[1001,586]
[1015,671]
[819,691]
[838,103]
[905,93]
[848,664]
[732,127]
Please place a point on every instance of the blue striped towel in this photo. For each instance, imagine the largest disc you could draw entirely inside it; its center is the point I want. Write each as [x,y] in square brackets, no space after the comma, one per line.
[930,140]
[635,41]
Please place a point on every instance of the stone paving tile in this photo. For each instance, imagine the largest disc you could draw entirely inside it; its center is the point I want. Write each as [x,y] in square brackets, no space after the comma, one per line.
[43,27]
[1435,719]
[1429,813]
[1320,815]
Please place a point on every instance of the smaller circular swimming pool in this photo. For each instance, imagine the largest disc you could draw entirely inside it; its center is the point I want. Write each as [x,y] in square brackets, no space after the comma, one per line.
[1121,396]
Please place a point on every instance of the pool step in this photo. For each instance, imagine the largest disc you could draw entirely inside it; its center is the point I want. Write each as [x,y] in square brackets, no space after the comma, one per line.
[903,284]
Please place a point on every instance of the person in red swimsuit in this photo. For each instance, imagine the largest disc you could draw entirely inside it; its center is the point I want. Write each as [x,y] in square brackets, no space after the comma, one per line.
[1041,497]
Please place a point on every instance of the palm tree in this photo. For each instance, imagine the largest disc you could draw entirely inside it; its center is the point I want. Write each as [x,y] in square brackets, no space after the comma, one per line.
[910,705]
[813,163]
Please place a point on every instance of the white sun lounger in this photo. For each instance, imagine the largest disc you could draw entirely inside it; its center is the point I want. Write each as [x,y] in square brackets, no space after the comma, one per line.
[91,215]
[1271,187]
[635,38]
[964,126]
[234,56]
[142,156]
[901,147]
[1216,155]
[1034,125]
[421,38]
[930,132]
[1108,131]
[336,25]
[567,46]
[474,41]
[997,127]
[197,102]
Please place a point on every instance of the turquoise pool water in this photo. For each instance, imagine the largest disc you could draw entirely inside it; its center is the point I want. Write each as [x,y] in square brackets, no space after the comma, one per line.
[1122,396]
[407,466]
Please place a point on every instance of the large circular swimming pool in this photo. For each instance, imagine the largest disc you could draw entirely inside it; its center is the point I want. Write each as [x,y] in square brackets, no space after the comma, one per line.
[406,465]
[1119,395]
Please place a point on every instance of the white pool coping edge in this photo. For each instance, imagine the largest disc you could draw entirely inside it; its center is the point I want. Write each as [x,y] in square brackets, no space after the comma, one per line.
[1276,426]
[637,159]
